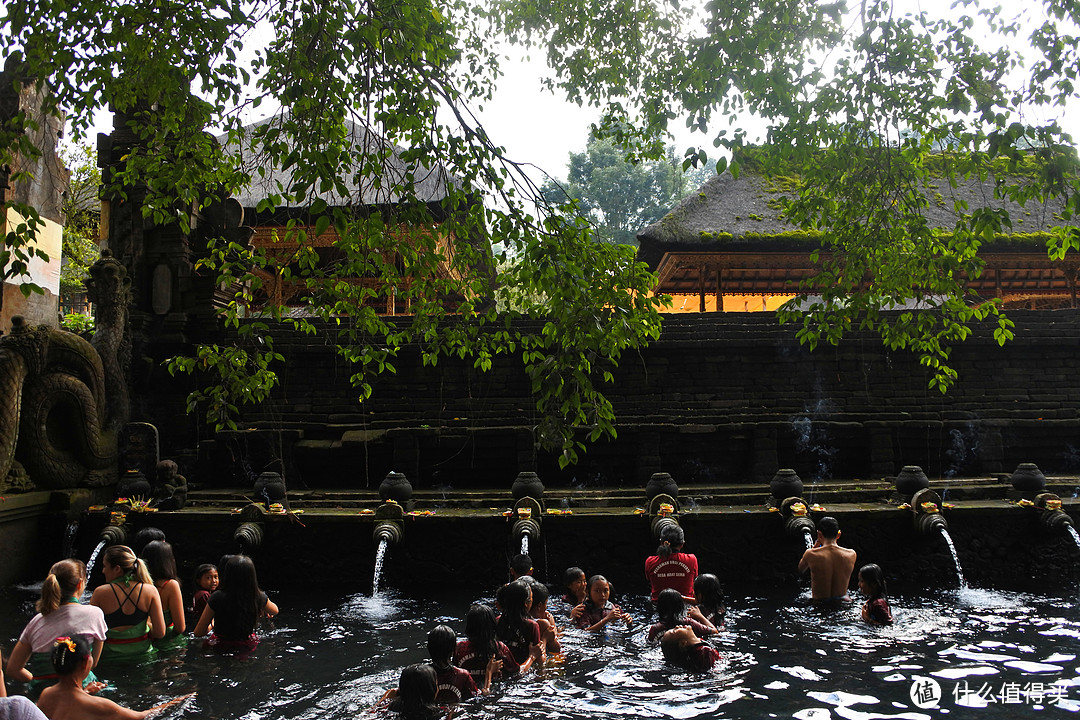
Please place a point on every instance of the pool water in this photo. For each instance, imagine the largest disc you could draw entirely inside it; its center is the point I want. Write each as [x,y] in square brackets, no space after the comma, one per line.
[966,653]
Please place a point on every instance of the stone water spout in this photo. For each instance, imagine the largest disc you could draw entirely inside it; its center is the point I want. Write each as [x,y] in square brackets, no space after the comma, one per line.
[528,492]
[114,533]
[926,507]
[663,511]
[389,523]
[1052,518]
[248,536]
[797,523]
[662,493]
[394,490]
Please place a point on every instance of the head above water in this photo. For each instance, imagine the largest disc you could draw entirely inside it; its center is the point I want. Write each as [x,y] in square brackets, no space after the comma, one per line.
[441,642]
[160,561]
[520,566]
[672,538]
[572,575]
[708,591]
[416,688]
[480,629]
[124,558]
[599,590]
[63,581]
[70,653]
[206,577]
[144,537]
[670,607]
[540,595]
[828,527]
[515,598]
[872,580]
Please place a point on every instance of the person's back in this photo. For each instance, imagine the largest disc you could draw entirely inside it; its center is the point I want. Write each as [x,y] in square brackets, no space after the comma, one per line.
[829,564]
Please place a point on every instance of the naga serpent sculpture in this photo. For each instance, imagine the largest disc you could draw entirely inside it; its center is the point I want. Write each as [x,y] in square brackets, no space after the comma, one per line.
[63,400]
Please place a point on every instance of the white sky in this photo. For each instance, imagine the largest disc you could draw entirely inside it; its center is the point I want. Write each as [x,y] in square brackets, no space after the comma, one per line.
[542,129]
[539,128]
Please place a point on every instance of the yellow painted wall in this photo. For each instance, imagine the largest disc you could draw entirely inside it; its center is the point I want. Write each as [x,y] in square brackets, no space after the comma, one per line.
[37,309]
[732,303]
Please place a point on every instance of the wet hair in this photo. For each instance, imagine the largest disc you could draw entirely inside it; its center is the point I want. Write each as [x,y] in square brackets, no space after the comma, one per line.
[242,583]
[416,691]
[512,598]
[123,557]
[588,588]
[69,652]
[480,629]
[540,592]
[144,537]
[709,594]
[521,565]
[160,562]
[671,608]
[873,575]
[828,527]
[203,570]
[571,574]
[672,538]
[441,643]
[62,581]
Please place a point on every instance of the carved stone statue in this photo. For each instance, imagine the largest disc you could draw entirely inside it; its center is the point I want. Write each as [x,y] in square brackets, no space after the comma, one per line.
[63,400]
[170,488]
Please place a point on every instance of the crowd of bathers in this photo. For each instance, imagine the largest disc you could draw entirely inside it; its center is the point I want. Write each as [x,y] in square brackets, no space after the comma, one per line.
[140,609]
[689,609]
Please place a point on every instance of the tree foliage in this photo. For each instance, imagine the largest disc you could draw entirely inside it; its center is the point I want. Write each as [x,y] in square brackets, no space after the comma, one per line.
[82,214]
[858,99]
[620,197]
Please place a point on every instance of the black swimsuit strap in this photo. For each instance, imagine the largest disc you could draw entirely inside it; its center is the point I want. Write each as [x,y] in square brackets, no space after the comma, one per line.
[127,597]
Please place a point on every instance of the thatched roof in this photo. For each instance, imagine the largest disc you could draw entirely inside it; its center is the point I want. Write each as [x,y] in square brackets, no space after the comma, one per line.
[743,214]
[431,182]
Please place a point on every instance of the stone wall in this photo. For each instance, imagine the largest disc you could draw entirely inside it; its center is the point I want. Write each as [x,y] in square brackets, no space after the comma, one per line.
[718,399]
[997,547]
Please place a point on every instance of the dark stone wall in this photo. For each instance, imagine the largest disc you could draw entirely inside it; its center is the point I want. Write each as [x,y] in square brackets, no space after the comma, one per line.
[1000,548]
[718,399]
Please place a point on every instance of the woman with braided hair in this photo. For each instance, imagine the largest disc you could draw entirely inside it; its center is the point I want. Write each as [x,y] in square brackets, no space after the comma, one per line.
[131,604]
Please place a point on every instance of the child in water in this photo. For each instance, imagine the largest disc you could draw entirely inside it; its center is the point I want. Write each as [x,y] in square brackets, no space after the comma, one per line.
[206,582]
[515,628]
[575,582]
[876,609]
[483,649]
[598,610]
[414,698]
[453,684]
[549,632]
[671,608]
[710,599]
[682,647]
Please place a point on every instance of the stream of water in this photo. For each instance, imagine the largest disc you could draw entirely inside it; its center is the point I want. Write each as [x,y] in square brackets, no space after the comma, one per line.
[380,558]
[955,557]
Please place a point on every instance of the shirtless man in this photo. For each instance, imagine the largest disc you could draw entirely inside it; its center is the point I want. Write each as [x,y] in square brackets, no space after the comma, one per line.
[830,565]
